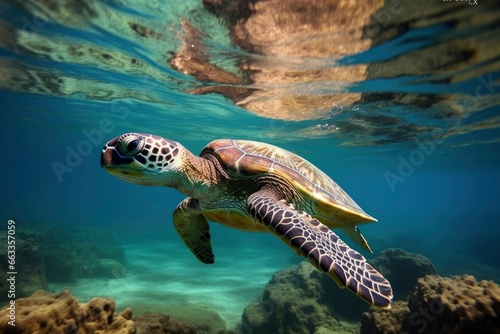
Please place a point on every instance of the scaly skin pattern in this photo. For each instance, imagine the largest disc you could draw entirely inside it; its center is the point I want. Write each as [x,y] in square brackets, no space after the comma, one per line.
[193,228]
[321,247]
[254,187]
[312,190]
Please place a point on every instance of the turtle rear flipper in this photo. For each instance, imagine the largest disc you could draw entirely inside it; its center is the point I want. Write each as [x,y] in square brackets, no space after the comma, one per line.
[320,246]
[354,233]
[194,230]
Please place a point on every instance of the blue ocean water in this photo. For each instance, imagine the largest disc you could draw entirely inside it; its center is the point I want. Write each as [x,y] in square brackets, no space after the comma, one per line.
[431,180]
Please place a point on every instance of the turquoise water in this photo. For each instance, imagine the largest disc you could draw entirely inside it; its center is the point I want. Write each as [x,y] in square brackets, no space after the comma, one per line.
[429,172]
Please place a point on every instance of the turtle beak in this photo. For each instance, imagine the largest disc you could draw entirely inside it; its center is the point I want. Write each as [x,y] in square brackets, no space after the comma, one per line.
[109,155]
[125,168]
[113,161]
[106,157]
[128,174]
[111,158]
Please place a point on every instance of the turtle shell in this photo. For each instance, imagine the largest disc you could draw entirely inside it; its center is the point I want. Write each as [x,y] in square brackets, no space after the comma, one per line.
[322,197]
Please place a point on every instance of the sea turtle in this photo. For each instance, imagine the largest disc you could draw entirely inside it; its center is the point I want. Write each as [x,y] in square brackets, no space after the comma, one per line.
[254,186]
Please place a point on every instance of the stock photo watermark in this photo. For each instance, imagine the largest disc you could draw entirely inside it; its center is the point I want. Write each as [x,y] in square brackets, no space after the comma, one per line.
[467,2]
[382,19]
[425,316]
[11,271]
[34,23]
[407,165]
[92,138]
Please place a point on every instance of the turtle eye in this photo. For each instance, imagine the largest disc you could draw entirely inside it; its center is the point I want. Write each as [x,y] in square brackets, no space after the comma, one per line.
[131,145]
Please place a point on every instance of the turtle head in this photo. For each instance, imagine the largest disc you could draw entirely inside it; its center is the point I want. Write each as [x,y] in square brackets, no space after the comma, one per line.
[142,158]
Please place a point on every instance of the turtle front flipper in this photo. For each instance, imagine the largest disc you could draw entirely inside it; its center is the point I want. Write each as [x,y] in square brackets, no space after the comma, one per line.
[320,246]
[193,228]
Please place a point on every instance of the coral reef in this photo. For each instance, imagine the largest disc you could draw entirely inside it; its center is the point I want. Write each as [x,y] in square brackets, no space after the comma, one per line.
[402,269]
[73,253]
[299,300]
[387,322]
[148,323]
[441,305]
[28,261]
[203,318]
[302,300]
[43,313]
